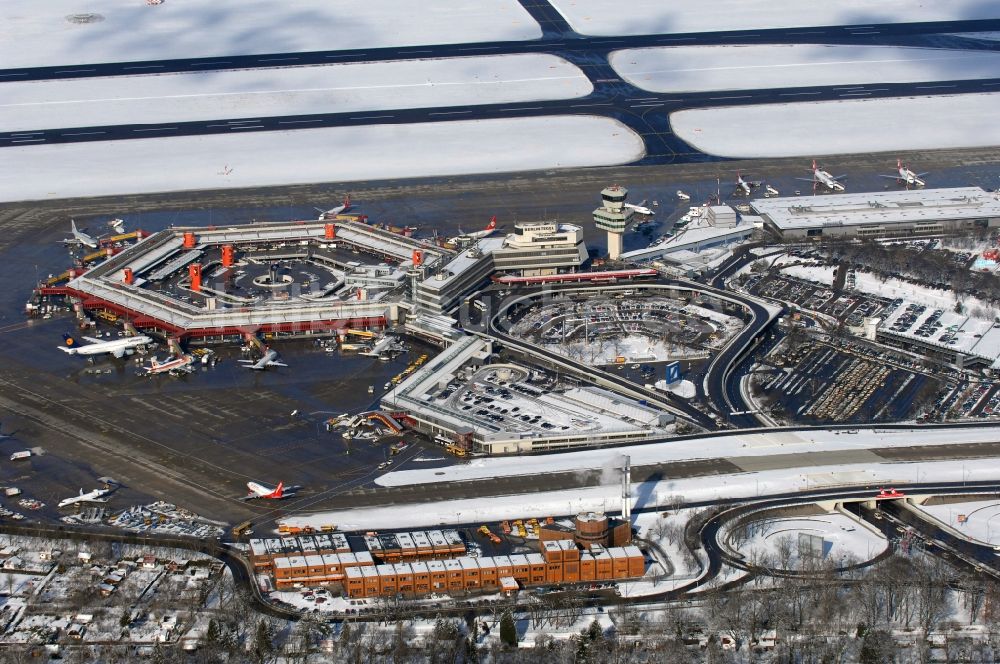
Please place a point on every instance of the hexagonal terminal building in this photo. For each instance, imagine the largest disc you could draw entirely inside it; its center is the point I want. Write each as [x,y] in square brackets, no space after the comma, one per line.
[613,217]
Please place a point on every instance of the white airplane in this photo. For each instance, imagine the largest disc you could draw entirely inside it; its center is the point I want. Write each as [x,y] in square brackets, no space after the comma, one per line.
[94,496]
[383,346]
[640,208]
[180,363]
[261,491]
[270,359]
[906,176]
[824,178]
[476,235]
[117,225]
[79,237]
[333,212]
[745,186]
[117,347]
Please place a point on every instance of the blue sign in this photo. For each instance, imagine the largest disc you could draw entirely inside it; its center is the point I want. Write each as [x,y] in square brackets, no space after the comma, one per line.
[673,372]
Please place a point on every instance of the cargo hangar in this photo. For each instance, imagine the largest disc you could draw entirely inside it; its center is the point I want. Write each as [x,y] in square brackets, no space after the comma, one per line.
[873,215]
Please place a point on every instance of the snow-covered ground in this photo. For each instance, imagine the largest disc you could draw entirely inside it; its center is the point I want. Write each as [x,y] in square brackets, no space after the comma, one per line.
[646,495]
[707,68]
[843,538]
[842,127]
[249,93]
[633,347]
[646,17]
[980,524]
[68,32]
[685,389]
[313,155]
[709,447]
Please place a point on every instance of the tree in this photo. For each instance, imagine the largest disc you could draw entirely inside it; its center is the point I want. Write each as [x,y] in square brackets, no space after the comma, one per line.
[508,630]
[263,643]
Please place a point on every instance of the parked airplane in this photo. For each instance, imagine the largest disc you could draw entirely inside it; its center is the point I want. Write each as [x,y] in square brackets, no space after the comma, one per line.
[906,176]
[94,496]
[333,212]
[383,347]
[179,363]
[79,237]
[745,186]
[117,347]
[824,178]
[270,359]
[640,208]
[476,235]
[117,225]
[261,491]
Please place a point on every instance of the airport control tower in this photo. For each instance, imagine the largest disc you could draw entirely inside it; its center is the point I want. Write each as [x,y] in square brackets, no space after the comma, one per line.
[613,217]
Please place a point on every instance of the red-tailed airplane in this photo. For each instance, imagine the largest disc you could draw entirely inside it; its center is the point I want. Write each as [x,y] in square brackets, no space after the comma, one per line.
[333,212]
[270,493]
[905,176]
[824,178]
[476,235]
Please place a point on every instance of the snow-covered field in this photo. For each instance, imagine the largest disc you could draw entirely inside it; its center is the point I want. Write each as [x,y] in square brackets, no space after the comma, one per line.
[607,498]
[313,155]
[707,68]
[646,17]
[67,32]
[842,127]
[843,538]
[745,445]
[252,93]
[981,522]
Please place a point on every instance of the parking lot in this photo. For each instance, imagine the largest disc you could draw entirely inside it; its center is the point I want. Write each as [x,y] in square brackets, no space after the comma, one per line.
[851,308]
[820,382]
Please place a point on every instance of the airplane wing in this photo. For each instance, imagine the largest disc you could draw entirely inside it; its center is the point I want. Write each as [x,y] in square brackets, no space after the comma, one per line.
[891,177]
[840,177]
[920,175]
[93,340]
[277,364]
[119,352]
[810,180]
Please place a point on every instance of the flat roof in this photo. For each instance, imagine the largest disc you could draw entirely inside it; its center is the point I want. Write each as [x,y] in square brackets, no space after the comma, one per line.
[884,207]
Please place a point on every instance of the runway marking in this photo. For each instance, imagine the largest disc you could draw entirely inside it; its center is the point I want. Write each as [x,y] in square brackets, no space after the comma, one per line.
[642,99]
[739,97]
[18,74]
[450,113]
[369,117]
[236,122]
[347,55]
[934,87]
[808,32]
[646,105]
[25,133]
[83,133]
[277,59]
[988,84]
[29,140]
[796,94]
[144,67]
[586,105]
[71,71]
[246,126]
[854,94]
[297,121]
[413,52]
[163,128]
[480,48]
[527,108]
[198,64]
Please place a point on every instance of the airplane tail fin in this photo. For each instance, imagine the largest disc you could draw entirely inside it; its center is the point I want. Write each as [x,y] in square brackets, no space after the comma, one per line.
[279,490]
[81,492]
[72,224]
[347,201]
[493,223]
[69,341]
[814,164]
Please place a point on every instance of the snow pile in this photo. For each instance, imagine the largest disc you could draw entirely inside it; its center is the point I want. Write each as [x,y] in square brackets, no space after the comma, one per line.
[64,32]
[708,68]
[685,389]
[250,93]
[865,125]
[647,17]
[222,161]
